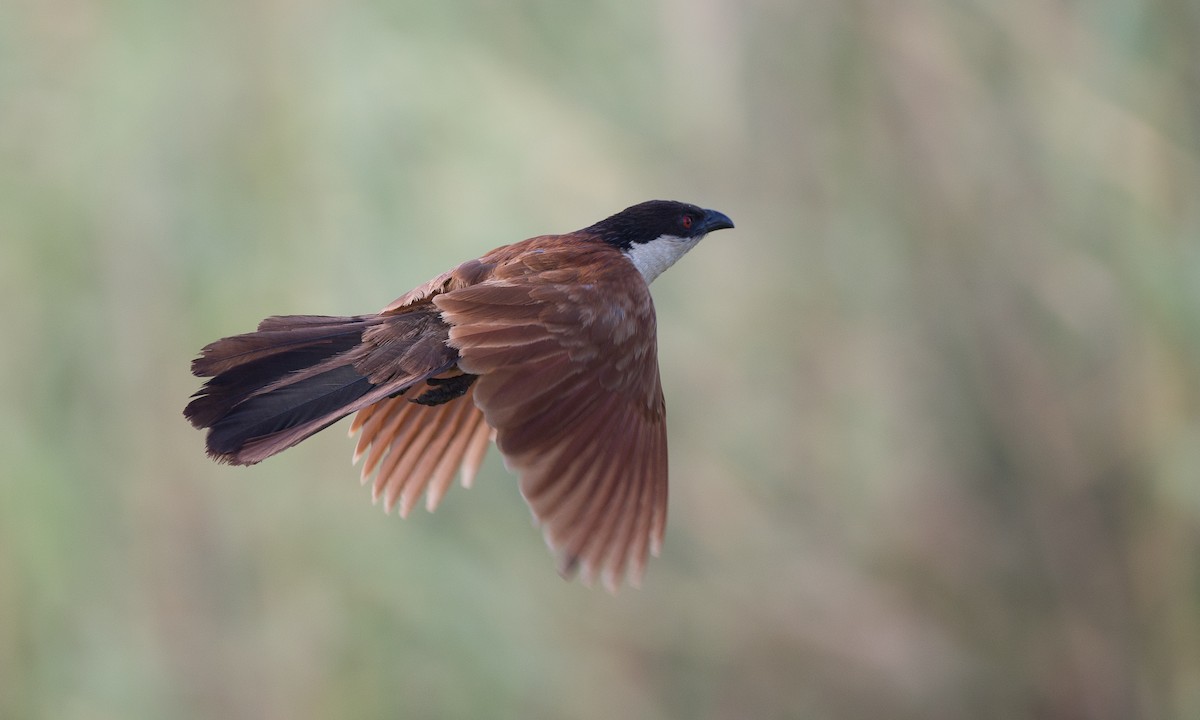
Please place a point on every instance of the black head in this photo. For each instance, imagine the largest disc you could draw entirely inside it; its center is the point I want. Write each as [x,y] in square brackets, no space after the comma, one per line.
[647,221]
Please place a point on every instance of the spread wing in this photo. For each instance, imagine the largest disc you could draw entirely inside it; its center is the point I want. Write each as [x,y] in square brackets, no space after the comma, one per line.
[415,441]
[418,448]
[569,380]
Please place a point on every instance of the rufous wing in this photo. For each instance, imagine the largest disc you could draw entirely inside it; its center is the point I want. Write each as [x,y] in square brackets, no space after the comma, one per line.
[568,377]
[413,449]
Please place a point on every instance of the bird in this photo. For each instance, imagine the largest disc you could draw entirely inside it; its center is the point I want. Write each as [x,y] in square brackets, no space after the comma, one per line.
[546,347]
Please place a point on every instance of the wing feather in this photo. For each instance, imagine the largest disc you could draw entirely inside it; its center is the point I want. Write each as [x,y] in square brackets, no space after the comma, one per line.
[395,465]
[611,556]
[476,449]
[634,549]
[413,449]
[389,431]
[568,377]
[394,438]
[466,416]
[598,504]
[360,418]
[421,466]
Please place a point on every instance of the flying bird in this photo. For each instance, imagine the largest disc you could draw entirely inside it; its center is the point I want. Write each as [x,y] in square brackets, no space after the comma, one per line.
[546,346]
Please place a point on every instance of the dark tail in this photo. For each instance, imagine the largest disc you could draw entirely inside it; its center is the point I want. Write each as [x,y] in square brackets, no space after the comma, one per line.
[270,389]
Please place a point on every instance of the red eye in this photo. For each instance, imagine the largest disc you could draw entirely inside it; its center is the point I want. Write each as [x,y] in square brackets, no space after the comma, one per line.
[686,221]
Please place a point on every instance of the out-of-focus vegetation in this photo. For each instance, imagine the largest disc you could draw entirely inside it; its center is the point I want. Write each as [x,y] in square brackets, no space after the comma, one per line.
[934,404]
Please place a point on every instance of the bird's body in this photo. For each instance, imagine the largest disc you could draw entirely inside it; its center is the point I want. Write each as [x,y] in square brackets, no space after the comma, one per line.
[548,345]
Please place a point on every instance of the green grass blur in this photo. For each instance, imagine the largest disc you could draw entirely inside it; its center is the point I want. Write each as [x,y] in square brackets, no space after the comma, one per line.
[934,404]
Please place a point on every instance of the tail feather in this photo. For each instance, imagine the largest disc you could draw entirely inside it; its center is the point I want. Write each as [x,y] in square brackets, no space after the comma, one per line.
[270,389]
[317,401]
[282,335]
[243,365]
[236,385]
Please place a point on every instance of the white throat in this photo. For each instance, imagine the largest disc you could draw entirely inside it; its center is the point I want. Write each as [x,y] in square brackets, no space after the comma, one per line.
[652,258]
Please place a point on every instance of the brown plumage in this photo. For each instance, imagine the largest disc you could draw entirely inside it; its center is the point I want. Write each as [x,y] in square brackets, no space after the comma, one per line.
[546,346]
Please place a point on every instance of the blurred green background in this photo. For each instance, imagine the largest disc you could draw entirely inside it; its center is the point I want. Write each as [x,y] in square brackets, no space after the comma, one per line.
[934,404]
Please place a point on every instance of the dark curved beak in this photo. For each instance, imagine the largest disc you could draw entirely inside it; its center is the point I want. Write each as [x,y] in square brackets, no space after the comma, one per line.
[714,220]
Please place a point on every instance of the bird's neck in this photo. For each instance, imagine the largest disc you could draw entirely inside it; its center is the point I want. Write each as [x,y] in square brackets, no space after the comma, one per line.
[654,257]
